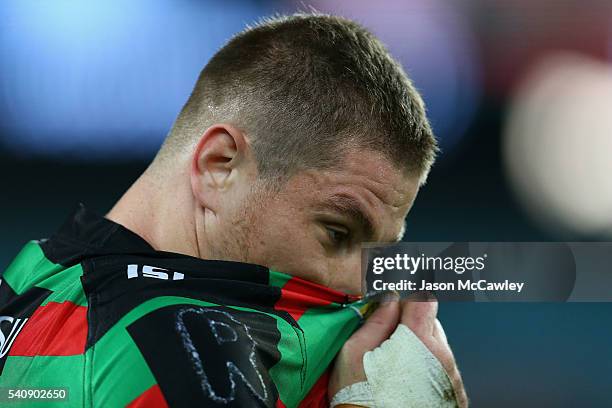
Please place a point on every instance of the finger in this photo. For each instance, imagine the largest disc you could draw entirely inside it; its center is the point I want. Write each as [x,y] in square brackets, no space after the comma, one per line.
[378,327]
[419,316]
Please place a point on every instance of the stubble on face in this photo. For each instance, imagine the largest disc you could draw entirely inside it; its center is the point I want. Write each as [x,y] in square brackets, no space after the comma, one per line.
[235,241]
[286,228]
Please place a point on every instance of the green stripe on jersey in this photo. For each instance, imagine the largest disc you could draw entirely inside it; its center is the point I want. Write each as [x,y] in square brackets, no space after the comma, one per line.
[278,279]
[330,331]
[31,268]
[50,372]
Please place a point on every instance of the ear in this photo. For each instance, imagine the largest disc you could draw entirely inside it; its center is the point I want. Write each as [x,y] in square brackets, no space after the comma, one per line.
[218,159]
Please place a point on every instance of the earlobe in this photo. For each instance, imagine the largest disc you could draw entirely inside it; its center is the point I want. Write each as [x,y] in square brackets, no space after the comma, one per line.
[215,161]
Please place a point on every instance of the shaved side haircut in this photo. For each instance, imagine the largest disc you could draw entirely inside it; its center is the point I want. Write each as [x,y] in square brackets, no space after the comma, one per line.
[306,88]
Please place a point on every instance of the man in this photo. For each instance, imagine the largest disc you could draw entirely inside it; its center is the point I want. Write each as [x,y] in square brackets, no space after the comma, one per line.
[301,139]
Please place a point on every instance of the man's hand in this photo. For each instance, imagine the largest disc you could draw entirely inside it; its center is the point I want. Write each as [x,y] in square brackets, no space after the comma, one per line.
[420,317]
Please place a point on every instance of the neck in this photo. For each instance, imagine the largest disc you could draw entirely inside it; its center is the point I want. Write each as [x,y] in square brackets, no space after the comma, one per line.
[158,210]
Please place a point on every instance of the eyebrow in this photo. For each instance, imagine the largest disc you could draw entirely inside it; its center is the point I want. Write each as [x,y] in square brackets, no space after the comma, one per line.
[354,210]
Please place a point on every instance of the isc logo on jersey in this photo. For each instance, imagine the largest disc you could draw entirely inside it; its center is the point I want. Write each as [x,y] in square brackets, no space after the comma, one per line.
[6,341]
[148,271]
[15,325]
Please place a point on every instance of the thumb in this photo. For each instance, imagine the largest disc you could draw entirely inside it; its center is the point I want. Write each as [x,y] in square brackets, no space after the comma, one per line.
[379,326]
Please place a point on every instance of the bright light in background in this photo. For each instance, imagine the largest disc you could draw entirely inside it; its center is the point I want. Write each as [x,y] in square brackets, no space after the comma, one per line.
[558,144]
[433,41]
[104,78]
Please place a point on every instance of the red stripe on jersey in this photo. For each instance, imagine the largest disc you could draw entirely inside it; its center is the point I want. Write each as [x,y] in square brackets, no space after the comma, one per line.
[315,290]
[298,295]
[152,397]
[279,404]
[296,303]
[55,329]
[317,396]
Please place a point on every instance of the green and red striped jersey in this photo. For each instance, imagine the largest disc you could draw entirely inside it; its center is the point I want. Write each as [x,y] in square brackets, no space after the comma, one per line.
[97,311]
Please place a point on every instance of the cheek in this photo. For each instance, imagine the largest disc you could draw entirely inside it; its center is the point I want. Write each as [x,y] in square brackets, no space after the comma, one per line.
[226,239]
[232,230]
[347,276]
[287,244]
[281,240]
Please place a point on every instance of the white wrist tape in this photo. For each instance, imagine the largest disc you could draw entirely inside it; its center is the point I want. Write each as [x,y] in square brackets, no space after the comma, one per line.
[400,372]
[357,394]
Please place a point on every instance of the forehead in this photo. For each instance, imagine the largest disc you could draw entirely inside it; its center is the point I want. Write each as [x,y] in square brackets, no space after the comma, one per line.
[368,177]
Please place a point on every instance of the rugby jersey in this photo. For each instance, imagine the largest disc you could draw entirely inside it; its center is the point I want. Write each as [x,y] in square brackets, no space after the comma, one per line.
[95,310]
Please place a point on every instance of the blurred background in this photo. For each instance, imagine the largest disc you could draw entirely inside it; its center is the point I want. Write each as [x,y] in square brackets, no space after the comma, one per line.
[519,93]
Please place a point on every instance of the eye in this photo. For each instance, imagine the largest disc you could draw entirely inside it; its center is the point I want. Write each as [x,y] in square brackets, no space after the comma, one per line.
[338,235]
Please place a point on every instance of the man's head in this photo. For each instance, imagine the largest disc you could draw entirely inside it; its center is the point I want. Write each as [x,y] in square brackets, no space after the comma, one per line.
[301,139]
